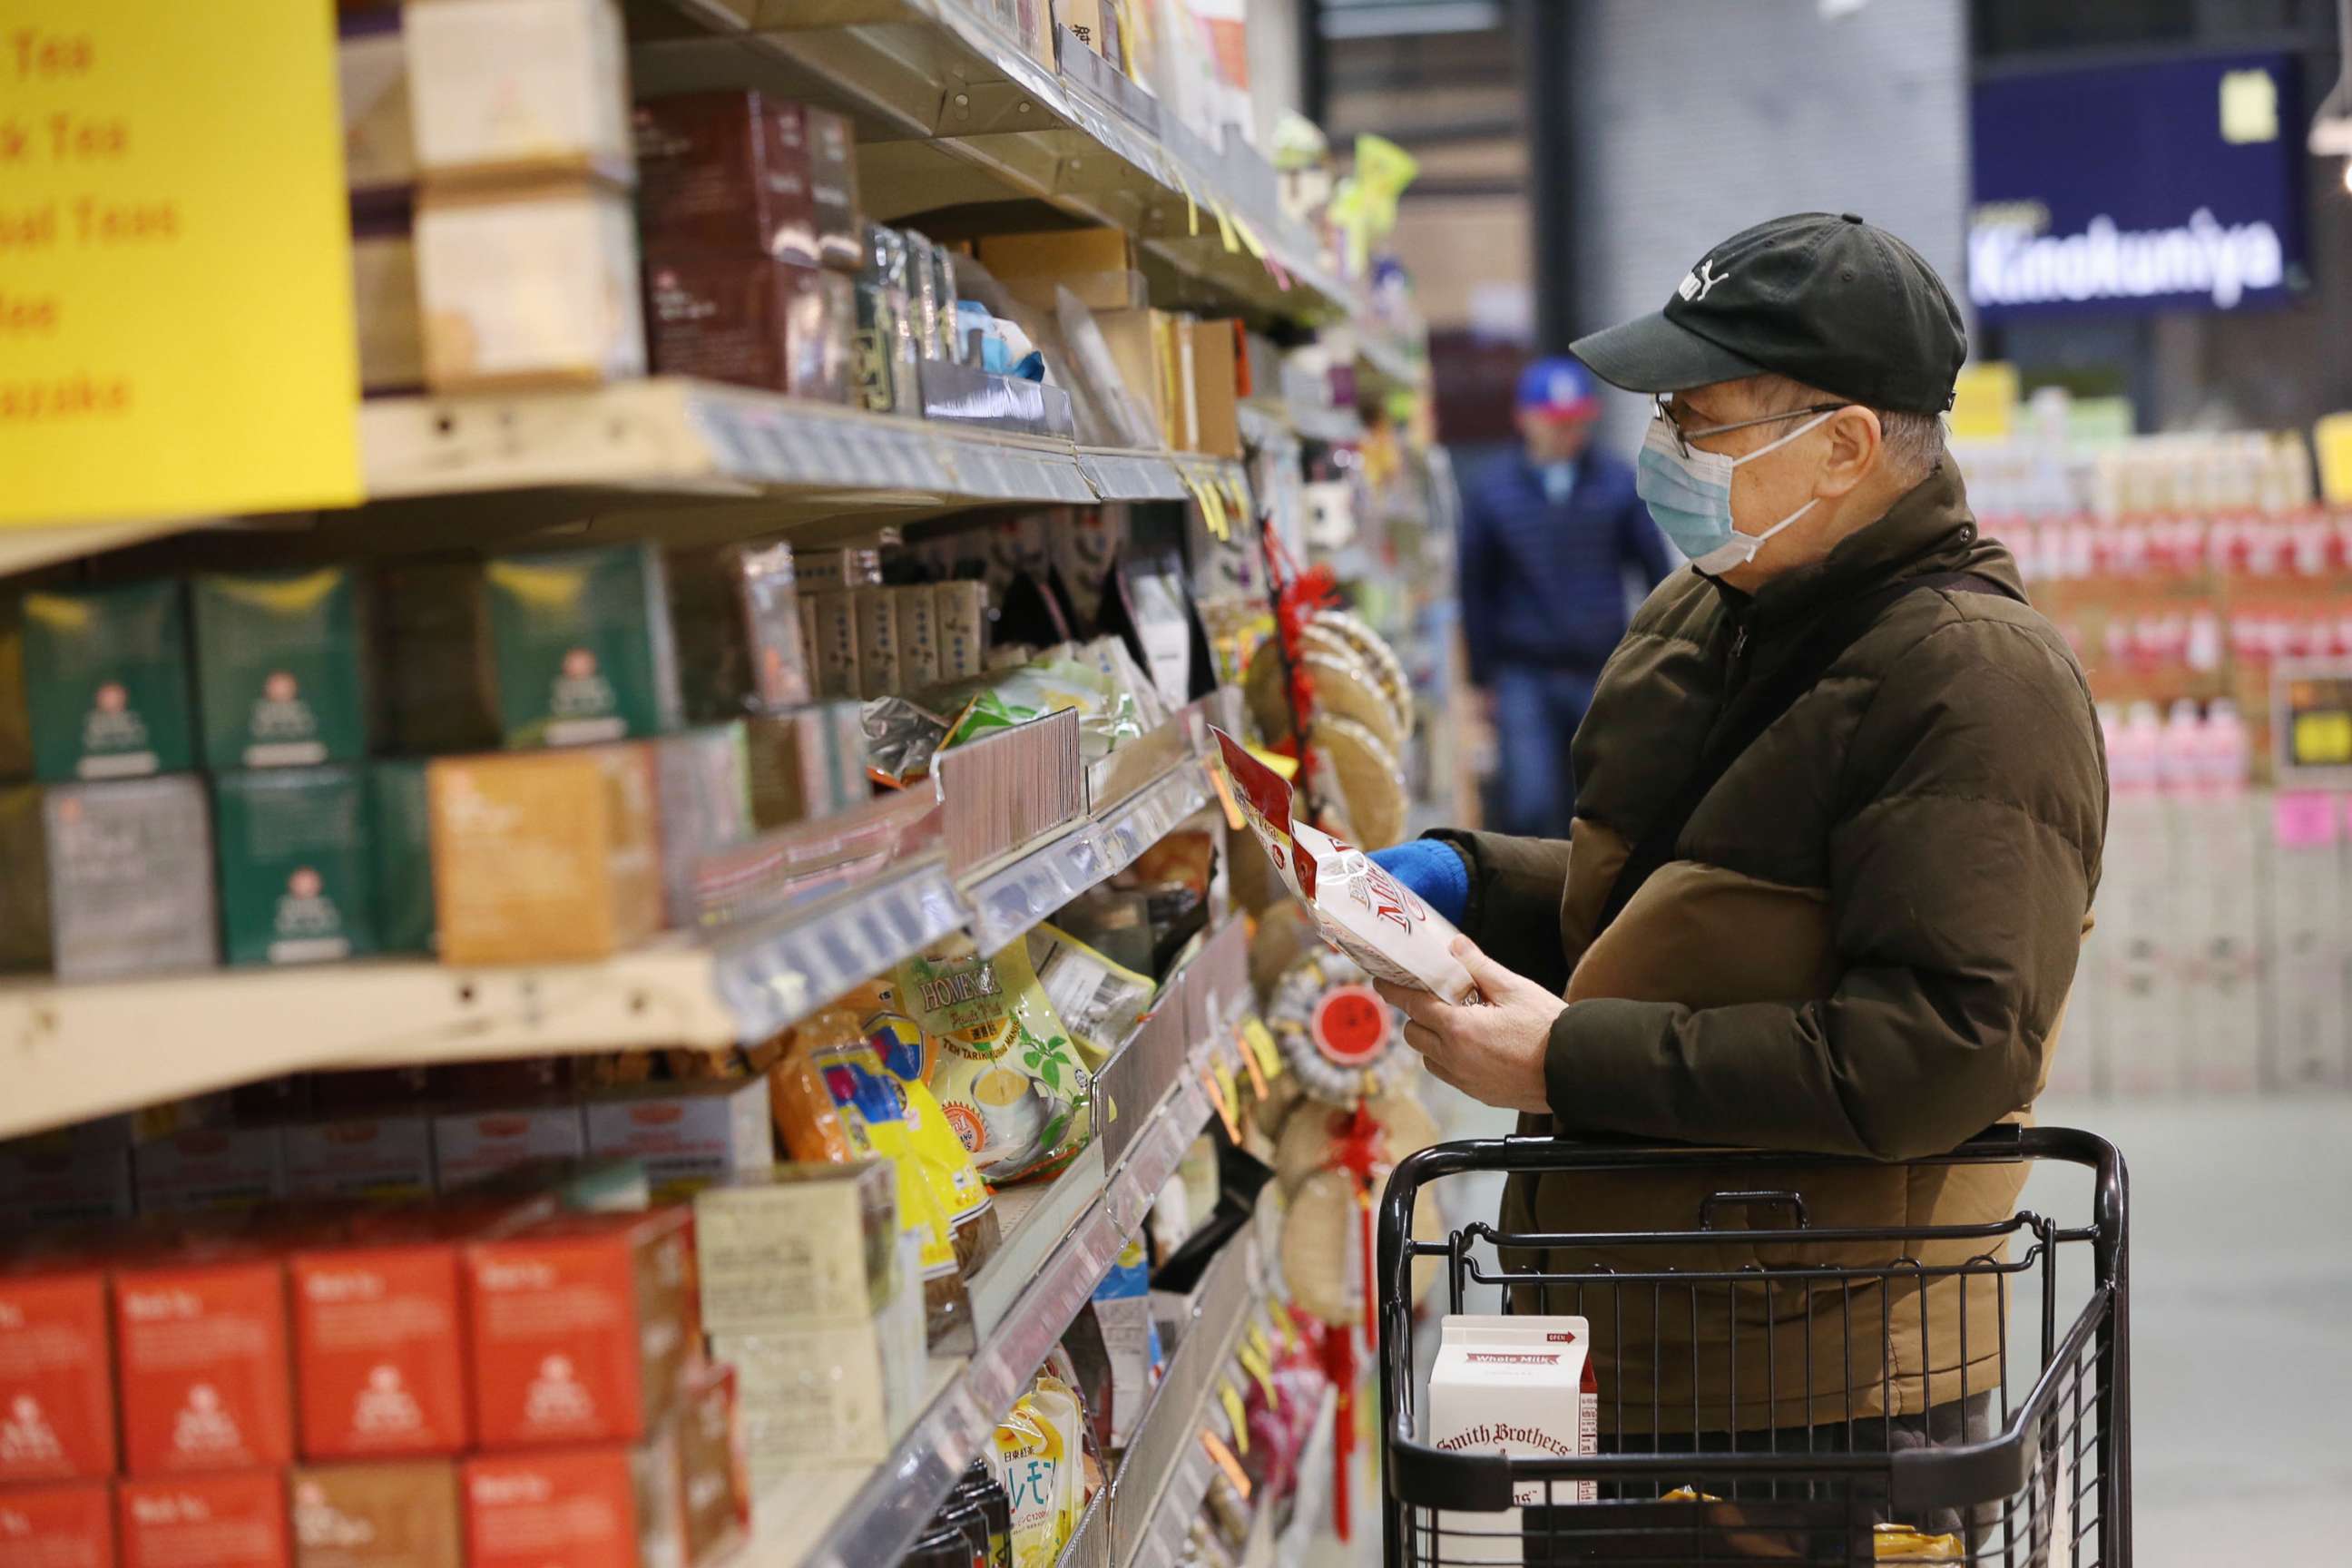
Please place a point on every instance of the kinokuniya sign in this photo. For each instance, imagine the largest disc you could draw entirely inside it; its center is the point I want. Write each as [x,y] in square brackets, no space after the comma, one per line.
[2176,184]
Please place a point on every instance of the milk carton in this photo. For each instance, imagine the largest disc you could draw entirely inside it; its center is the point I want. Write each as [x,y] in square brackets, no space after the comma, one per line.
[1358,909]
[1521,1386]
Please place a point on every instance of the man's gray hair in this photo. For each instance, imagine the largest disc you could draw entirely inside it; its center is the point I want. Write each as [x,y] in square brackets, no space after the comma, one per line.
[1913,442]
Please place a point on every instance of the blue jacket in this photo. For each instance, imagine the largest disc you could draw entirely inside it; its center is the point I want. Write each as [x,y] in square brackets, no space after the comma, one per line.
[1543,583]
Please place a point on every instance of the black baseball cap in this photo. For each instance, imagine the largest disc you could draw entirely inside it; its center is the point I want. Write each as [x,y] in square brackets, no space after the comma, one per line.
[1821,298]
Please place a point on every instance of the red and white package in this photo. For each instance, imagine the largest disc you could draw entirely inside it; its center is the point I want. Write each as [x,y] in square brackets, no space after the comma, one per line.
[1361,909]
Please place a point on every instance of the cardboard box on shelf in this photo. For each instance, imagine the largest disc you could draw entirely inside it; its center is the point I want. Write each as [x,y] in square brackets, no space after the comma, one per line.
[209,1169]
[382,1514]
[704,783]
[202,1361]
[589,1507]
[359,1157]
[711,1458]
[371,74]
[918,612]
[746,173]
[106,681]
[879,674]
[440,682]
[59,1525]
[1094,23]
[15,732]
[384,296]
[1096,264]
[738,624]
[800,1245]
[750,321]
[835,618]
[379,1350]
[1138,341]
[527,287]
[281,658]
[544,856]
[234,1518]
[2310,1048]
[584,646]
[469,1145]
[506,88]
[808,762]
[25,895]
[687,1135]
[582,1327]
[1215,381]
[963,628]
[69,1175]
[56,1374]
[400,819]
[297,867]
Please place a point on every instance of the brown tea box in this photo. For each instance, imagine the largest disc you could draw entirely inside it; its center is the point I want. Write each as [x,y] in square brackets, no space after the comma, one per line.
[544,856]
[749,174]
[738,624]
[745,319]
[440,682]
[384,1515]
[25,890]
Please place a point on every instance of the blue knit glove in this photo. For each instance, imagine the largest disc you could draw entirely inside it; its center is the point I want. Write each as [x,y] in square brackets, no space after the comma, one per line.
[1432,869]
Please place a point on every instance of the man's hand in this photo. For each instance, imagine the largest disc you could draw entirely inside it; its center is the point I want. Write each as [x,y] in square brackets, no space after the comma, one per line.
[1492,1051]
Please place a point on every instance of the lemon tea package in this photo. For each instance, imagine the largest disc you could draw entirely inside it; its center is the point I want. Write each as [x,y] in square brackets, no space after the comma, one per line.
[1015,1087]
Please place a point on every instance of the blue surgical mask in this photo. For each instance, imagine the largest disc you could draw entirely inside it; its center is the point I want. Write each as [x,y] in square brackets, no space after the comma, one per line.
[1689,496]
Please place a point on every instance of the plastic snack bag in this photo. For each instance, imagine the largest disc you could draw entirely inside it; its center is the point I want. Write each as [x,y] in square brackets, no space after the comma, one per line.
[1015,1087]
[1029,1456]
[1358,908]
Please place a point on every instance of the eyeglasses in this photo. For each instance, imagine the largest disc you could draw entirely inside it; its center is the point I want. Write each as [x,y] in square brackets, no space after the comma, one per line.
[1683,439]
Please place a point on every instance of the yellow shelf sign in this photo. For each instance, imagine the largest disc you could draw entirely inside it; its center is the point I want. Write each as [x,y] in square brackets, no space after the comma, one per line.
[175,284]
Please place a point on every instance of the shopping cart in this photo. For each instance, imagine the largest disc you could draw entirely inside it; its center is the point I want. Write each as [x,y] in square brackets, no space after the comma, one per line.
[2035,1472]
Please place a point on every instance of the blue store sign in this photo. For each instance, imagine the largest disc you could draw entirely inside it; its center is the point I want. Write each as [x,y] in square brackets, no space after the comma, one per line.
[2174,185]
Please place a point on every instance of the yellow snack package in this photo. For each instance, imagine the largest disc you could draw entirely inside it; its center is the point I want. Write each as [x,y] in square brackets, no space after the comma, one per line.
[1013,1086]
[1029,1459]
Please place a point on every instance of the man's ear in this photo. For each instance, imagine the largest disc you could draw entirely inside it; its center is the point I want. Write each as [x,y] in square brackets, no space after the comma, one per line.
[1855,442]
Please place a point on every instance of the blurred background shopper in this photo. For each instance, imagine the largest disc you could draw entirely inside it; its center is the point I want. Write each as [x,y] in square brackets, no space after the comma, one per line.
[1548,538]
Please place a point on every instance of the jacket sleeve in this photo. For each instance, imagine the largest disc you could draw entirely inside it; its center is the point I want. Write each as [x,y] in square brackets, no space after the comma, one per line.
[1475,573]
[1516,887]
[1959,885]
[1640,544]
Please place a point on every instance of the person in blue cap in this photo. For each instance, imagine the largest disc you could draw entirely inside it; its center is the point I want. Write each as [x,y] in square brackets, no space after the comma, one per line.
[1548,536]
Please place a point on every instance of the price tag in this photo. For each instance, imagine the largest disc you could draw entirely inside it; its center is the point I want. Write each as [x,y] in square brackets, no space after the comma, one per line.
[1284,1323]
[1256,1073]
[1253,1362]
[1258,1340]
[1250,241]
[1230,1397]
[1227,1463]
[1224,1106]
[1226,228]
[1259,1040]
[2315,738]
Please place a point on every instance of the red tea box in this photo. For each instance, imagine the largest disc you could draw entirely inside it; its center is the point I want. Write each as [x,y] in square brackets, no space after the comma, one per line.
[62,1524]
[379,1351]
[56,1381]
[233,1520]
[582,1328]
[203,1366]
[609,1507]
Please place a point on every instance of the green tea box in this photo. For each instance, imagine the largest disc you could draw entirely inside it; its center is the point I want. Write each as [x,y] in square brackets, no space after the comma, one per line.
[432,643]
[401,832]
[702,788]
[106,681]
[280,668]
[23,880]
[15,734]
[297,870]
[584,648]
[131,878]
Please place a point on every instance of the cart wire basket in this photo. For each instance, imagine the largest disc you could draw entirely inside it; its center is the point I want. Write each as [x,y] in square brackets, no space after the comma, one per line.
[1753,1405]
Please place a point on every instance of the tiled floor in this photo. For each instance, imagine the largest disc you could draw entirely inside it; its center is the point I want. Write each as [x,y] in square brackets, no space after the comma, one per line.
[2242,1327]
